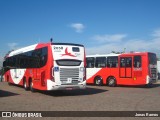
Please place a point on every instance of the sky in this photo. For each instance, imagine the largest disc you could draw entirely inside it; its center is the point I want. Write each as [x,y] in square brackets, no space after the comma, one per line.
[101,26]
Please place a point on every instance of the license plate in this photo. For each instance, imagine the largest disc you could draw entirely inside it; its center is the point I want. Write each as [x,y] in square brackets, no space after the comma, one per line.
[69,88]
[69,80]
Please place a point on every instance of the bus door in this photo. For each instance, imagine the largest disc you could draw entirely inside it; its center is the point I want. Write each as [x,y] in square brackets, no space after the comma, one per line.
[125,70]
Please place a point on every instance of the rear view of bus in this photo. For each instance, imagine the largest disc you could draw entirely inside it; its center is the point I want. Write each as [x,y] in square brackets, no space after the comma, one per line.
[47,66]
[152,69]
[138,68]
[68,71]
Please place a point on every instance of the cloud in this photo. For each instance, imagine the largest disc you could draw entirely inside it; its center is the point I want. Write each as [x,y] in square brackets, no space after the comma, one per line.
[120,43]
[109,38]
[12,46]
[79,27]
[156,33]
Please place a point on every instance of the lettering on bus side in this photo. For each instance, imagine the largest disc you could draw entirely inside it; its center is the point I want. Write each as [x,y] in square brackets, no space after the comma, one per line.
[58,48]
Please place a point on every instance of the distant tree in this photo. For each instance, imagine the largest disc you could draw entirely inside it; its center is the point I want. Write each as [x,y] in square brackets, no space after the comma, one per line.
[113,52]
[116,52]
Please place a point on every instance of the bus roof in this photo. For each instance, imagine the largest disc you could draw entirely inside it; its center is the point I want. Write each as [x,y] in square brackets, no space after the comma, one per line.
[22,50]
[72,44]
[122,54]
[32,47]
[103,55]
[136,53]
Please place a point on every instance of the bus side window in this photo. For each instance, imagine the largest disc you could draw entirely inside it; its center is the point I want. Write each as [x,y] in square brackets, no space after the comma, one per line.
[100,62]
[43,57]
[137,61]
[90,62]
[122,62]
[128,62]
[112,62]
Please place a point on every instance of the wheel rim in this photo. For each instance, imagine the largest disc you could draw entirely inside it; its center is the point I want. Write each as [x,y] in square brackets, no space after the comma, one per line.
[98,81]
[111,82]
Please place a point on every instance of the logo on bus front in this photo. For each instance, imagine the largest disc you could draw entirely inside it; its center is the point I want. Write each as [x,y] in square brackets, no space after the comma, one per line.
[68,53]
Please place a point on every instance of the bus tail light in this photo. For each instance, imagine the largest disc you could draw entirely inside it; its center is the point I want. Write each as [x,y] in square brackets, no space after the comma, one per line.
[149,72]
[52,74]
[43,78]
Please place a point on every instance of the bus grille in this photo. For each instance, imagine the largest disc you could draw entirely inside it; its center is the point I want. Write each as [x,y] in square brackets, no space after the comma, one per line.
[69,73]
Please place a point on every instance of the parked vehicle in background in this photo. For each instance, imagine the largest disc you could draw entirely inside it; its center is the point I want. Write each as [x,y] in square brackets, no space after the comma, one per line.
[158,69]
[139,68]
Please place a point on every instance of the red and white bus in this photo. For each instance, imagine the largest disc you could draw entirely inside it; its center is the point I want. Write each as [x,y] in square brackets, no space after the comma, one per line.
[47,66]
[139,68]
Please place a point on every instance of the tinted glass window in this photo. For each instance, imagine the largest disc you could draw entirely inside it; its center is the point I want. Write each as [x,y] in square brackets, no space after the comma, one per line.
[32,59]
[152,58]
[112,62]
[90,62]
[137,61]
[75,49]
[126,62]
[68,62]
[100,62]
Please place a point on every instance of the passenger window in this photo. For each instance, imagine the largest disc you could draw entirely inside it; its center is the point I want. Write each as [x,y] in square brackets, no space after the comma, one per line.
[90,62]
[126,62]
[112,62]
[123,62]
[137,61]
[100,62]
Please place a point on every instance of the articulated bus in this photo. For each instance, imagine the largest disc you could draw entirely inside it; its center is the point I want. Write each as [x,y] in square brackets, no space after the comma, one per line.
[47,66]
[139,68]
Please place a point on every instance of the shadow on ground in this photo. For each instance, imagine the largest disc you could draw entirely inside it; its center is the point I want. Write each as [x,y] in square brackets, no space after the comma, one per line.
[87,91]
[4,93]
[140,86]
[154,85]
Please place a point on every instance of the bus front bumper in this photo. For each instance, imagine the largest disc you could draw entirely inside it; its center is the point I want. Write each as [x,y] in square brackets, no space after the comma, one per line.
[53,86]
[150,80]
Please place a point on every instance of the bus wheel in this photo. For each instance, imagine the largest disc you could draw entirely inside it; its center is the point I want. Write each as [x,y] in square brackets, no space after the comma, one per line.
[25,85]
[98,81]
[149,85]
[10,84]
[111,82]
[31,86]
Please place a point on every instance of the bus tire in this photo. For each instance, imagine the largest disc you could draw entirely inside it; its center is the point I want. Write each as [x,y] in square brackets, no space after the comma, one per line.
[10,84]
[149,85]
[31,86]
[98,81]
[25,84]
[111,82]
